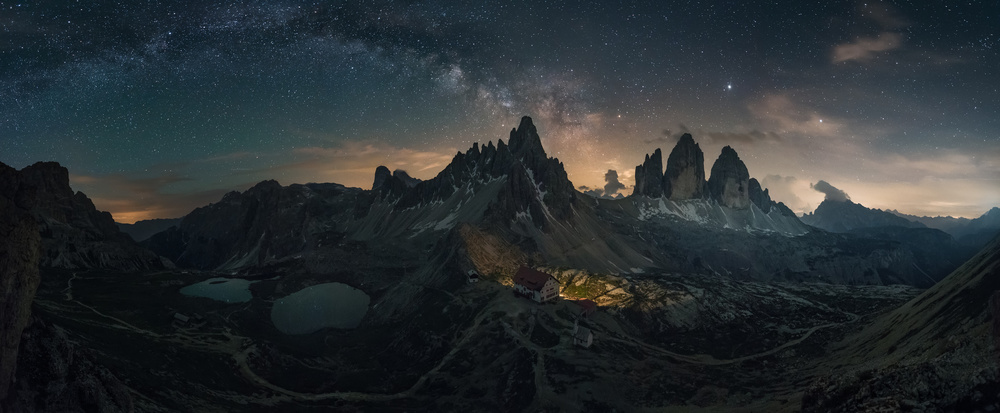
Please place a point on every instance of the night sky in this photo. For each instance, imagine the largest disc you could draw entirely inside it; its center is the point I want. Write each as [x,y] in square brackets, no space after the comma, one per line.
[157,107]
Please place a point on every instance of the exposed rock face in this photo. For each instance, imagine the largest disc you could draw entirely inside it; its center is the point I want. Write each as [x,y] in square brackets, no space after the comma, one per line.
[408,180]
[844,216]
[524,140]
[685,175]
[649,176]
[268,221]
[54,375]
[730,181]
[75,235]
[530,173]
[19,256]
[381,174]
[760,197]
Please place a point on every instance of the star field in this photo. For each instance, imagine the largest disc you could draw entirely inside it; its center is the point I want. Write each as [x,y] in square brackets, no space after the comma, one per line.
[159,107]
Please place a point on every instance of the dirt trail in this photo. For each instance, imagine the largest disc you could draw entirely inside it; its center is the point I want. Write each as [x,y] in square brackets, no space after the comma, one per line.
[240,348]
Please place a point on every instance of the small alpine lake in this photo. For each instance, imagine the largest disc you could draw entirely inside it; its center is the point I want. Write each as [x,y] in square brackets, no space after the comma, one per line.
[320,306]
[229,290]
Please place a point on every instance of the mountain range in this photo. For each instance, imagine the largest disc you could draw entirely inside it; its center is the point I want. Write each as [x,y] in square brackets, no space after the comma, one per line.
[694,275]
[674,221]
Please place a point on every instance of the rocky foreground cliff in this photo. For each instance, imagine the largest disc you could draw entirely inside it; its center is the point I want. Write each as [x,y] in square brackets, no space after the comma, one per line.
[45,225]
[19,255]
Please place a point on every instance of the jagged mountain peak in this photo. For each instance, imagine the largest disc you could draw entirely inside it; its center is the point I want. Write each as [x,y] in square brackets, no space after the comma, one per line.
[730,180]
[381,174]
[524,139]
[685,174]
[266,185]
[686,140]
[474,167]
[649,176]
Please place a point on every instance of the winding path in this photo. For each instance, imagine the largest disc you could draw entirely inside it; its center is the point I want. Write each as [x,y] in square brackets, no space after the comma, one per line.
[236,346]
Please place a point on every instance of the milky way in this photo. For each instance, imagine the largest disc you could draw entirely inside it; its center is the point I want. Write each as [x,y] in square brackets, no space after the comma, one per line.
[157,108]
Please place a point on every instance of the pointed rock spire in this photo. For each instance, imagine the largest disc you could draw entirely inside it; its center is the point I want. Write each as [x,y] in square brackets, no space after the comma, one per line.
[759,197]
[524,140]
[730,180]
[649,176]
[685,174]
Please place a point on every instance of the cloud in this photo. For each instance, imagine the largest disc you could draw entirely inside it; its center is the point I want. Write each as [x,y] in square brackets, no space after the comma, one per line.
[832,193]
[747,138]
[784,189]
[865,48]
[612,184]
[780,112]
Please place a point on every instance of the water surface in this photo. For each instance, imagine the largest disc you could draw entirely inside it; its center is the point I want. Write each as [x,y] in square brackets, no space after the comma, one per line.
[230,290]
[320,306]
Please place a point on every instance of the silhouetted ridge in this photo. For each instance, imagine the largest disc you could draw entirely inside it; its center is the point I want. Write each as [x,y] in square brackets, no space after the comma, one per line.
[381,174]
[649,176]
[75,235]
[844,216]
[530,175]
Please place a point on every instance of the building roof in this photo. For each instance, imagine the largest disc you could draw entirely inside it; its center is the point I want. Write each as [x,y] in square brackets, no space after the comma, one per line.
[582,333]
[531,278]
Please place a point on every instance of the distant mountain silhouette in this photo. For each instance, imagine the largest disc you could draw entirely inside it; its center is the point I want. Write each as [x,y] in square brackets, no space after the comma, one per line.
[974,232]
[844,216]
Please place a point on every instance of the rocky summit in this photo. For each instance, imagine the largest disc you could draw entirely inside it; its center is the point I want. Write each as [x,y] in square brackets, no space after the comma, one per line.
[649,176]
[685,174]
[730,180]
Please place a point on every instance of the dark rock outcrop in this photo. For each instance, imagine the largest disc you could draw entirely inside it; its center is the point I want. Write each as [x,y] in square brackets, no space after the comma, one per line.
[407,180]
[730,180]
[267,222]
[649,176]
[19,256]
[381,174]
[75,235]
[543,178]
[55,375]
[685,174]
[760,197]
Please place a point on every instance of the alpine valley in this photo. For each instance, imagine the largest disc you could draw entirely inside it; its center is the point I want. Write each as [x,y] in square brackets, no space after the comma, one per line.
[709,295]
